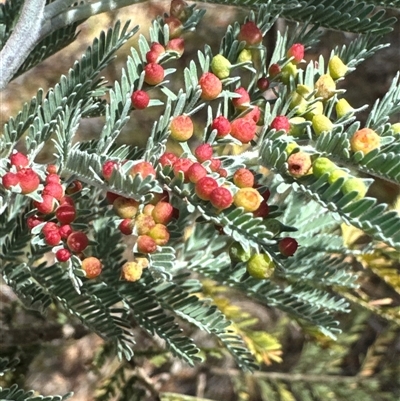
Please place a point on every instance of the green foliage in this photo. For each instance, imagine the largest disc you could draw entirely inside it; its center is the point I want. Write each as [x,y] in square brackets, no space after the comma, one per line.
[312,288]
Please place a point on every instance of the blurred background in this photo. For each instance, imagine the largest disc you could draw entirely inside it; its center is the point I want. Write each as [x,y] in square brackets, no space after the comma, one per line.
[58,355]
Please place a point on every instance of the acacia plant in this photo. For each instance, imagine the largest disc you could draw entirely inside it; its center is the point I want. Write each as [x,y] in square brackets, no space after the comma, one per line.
[245,176]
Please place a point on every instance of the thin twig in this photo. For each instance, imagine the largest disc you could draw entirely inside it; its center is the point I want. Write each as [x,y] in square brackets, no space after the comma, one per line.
[22,40]
[57,7]
[291,377]
[82,12]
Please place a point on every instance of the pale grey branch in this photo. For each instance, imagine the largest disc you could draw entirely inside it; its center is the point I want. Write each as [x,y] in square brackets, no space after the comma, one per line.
[22,40]
[82,12]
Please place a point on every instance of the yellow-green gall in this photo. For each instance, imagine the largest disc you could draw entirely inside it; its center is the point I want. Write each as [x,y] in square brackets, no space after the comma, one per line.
[220,66]
[365,140]
[343,107]
[296,126]
[261,266]
[396,128]
[321,123]
[288,70]
[325,87]
[335,175]
[132,271]
[354,184]
[315,109]
[238,254]
[323,165]
[304,91]
[245,55]
[337,69]
[299,102]
[291,146]
[248,198]
[299,164]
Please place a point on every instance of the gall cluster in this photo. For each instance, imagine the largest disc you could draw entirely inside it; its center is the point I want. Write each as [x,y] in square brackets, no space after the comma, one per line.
[55,213]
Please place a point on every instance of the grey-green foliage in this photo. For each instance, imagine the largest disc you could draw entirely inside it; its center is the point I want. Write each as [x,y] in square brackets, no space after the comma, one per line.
[301,286]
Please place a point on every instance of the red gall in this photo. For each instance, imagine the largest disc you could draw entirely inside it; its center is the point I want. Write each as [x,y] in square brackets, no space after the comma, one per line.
[163,213]
[53,179]
[263,84]
[168,159]
[108,168]
[47,205]
[156,50]
[49,226]
[176,45]
[243,129]
[210,86]
[254,114]
[111,197]
[222,172]
[178,9]
[243,178]
[51,169]
[203,152]
[65,230]
[77,241]
[196,171]
[63,255]
[215,164]
[28,180]
[262,211]
[221,198]
[54,189]
[182,165]
[67,200]
[52,238]
[19,160]
[140,99]
[33,221]
[181,128]
[222,125]
[126,226]
[243,101]
[274,70]
[146,244]
[250,33]
[144,169]
[153,74]
[10,180]
[280,123]
[204,187]
[66,214]
[288,246]
[297,52]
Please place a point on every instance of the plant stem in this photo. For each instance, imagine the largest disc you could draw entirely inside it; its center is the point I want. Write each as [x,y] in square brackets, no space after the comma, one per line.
[292,377]
[83,12]
[22,40]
